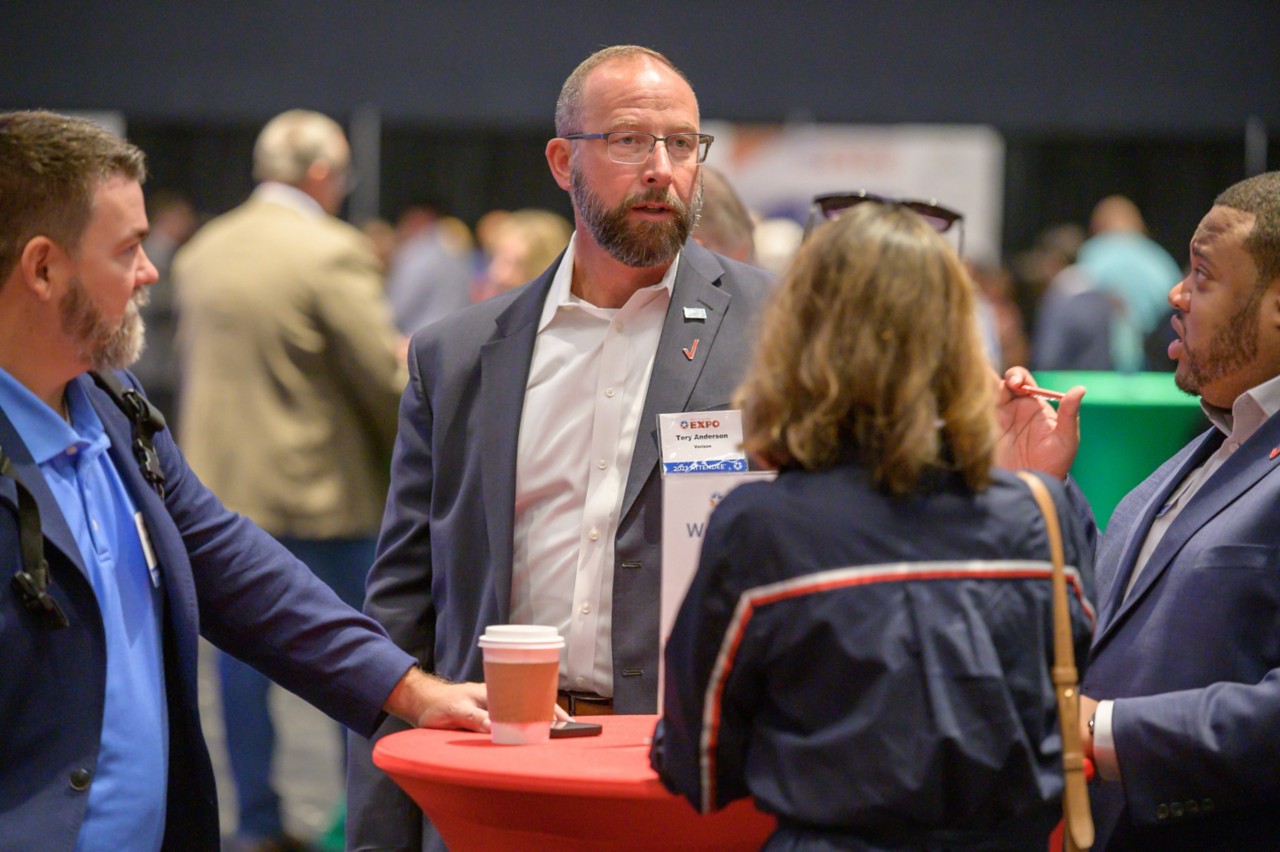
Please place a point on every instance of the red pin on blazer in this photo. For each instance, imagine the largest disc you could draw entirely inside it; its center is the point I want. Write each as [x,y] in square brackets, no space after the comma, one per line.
[692,350]
[1275,452]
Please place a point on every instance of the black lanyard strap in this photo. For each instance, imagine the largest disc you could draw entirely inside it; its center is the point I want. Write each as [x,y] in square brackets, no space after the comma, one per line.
[31,581]
[146,420]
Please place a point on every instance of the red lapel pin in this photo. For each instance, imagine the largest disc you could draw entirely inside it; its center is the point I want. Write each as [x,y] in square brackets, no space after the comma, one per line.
[692,350]
[1275,452]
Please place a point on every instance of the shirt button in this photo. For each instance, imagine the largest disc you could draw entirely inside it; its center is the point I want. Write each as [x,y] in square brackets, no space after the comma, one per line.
[80,779]
[602,464]
[94,524]
[618,326]
[609,392]
[586,609]
[594,535]
[71,451]
[580,681]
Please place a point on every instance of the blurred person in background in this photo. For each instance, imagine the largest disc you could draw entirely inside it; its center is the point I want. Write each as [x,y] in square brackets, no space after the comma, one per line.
[776,241]
[866,647]
[1098,313]
[173,221]
[521,246]
[725,226]
[1001,318]
[382,235]
[292,380]
[429,274]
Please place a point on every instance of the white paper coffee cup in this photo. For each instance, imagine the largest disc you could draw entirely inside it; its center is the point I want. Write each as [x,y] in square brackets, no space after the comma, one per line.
[521,671]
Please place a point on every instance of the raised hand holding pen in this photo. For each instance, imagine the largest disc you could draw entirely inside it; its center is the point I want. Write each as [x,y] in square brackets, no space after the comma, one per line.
[1032,433]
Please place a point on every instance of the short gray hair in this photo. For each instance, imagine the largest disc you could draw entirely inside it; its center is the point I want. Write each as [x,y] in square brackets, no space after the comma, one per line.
[292,141]
[569,104]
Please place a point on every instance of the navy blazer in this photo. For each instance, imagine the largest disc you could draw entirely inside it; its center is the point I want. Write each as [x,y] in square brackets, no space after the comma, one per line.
[1192,656]
[443,570]
[222,578]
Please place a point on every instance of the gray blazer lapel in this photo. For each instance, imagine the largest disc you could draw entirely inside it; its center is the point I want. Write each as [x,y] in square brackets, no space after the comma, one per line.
[1237,475]
[1137,534]
[683,349]
[504,372]
[52,522]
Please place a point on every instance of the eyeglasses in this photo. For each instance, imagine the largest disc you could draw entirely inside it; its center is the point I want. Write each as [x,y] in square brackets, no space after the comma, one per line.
[632,147]
[831,205]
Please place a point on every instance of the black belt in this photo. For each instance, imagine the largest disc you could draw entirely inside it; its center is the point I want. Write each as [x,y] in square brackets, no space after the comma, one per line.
[584,703]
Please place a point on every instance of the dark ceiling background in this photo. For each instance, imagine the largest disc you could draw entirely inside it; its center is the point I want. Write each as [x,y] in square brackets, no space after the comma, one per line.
[1147,98]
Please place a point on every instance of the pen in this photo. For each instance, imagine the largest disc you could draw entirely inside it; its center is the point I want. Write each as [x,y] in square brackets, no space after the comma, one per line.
[1039,393]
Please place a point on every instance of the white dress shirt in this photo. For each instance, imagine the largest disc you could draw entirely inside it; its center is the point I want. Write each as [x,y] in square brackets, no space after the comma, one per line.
[289,196]
[1250,410]
[583,399]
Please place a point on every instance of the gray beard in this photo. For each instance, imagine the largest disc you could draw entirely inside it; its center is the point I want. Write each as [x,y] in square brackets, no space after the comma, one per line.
[640,246]
[102,345]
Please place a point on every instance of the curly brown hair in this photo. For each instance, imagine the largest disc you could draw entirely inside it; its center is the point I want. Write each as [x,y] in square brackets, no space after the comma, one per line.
[870,352]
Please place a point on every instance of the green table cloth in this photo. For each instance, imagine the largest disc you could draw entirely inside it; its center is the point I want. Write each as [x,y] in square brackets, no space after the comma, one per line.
[1129,425]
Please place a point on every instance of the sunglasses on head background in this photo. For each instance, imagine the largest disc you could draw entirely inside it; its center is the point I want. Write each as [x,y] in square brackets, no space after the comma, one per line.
[832,205]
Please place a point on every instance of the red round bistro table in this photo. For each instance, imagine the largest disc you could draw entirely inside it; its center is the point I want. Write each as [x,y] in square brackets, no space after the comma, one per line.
[578,793]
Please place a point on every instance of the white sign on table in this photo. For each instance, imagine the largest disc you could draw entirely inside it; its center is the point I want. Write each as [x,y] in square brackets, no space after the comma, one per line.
[702,460]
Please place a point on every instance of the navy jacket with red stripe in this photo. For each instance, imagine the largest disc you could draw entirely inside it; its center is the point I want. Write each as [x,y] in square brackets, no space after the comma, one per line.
[875,670]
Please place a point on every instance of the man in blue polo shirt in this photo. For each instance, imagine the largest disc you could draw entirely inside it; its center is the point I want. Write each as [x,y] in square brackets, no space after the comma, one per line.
[119,555]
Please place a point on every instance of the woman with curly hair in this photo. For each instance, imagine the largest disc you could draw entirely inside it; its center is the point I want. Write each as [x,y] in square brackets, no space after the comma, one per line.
[866,646]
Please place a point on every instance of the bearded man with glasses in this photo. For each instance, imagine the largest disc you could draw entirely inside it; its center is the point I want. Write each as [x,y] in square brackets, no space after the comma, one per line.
[525,477]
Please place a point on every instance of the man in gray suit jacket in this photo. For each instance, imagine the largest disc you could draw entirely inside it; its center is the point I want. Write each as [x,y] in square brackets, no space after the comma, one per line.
[524,479]
[1181,705]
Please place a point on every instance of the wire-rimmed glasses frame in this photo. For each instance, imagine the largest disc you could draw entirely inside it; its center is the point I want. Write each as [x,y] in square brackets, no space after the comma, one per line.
[633,147]
[940,218]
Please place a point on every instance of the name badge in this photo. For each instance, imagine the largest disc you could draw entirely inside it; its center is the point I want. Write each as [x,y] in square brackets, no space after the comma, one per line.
[702,442]
[149,552]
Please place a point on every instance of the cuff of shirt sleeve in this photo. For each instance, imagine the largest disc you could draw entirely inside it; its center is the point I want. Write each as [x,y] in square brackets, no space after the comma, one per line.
[1104,743]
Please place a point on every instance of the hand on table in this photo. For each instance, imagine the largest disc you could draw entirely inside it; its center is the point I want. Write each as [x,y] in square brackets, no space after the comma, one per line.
[1032,434]
[426,701]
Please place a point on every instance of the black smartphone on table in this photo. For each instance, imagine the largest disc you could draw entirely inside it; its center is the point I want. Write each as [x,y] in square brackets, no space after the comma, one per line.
[561,728]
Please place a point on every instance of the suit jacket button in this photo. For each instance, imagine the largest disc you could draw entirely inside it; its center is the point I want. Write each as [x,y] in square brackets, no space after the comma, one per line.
[1192,807]
[1207,806]
[80,779]
[1175,810]
[1162,812]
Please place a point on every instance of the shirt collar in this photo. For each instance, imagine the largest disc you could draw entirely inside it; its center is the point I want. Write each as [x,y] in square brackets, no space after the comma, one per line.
[44,432]
[288,196]
[1250,410]
[561,292]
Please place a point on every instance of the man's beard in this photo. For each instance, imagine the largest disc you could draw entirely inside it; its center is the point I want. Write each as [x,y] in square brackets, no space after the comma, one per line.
[1232,347]
[103,345]
[641,245]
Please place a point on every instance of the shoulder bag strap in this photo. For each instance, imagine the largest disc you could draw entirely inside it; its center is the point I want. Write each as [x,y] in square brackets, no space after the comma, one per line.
[1075,796]
[31,580]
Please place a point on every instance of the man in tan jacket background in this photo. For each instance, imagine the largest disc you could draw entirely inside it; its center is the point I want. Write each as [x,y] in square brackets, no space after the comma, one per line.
[292,379]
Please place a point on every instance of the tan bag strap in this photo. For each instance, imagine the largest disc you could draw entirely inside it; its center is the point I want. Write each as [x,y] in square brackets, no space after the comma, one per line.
[1078,820]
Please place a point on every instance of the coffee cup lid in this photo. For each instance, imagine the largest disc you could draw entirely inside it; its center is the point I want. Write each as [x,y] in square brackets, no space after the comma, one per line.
[534,636]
